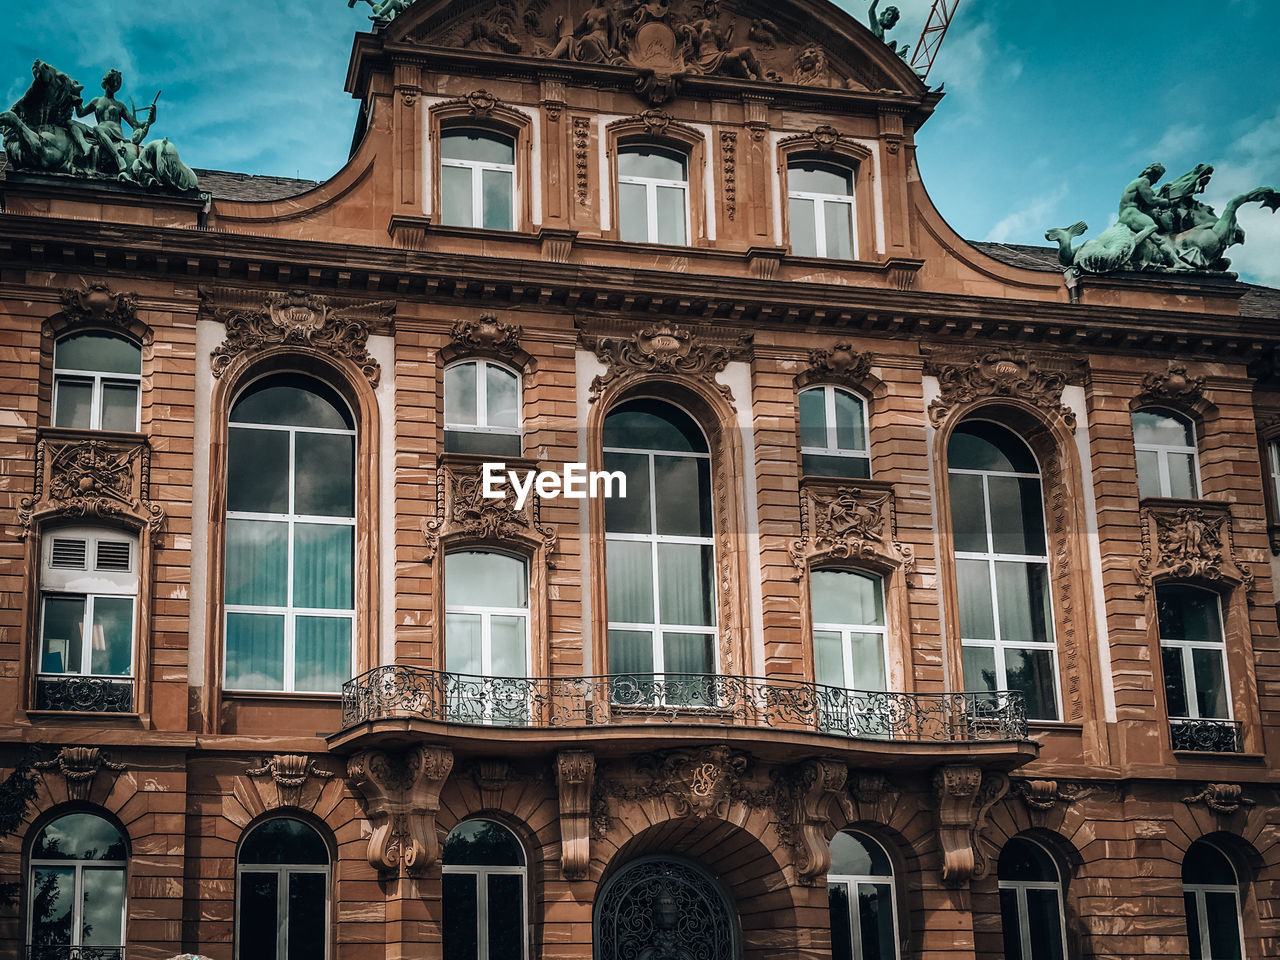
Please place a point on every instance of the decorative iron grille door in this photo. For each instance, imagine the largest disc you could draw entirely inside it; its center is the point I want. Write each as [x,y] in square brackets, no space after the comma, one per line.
[662,908]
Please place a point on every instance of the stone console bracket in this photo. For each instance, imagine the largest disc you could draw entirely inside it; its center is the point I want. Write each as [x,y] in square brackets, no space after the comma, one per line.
[575,778]
[964,796]
[401,796]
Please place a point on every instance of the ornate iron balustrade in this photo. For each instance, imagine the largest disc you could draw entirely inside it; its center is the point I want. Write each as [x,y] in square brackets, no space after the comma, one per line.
[68,952]
[84,694]
[625,700]
[1207,736]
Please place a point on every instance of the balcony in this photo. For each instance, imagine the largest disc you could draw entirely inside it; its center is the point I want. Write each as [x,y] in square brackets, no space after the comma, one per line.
[1207,736]
[68,952]
[397,698]
[76,694]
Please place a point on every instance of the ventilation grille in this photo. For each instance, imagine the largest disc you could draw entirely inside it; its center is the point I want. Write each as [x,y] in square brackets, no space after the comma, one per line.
[113,555]
[69,554]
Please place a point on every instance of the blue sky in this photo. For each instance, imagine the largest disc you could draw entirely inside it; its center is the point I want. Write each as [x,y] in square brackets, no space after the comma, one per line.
[1051,107]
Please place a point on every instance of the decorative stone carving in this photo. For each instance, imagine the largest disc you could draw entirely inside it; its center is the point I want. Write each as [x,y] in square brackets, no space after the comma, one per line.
[810,69]
[401,797]
[92,478]
[1182,542]
[95,306]
[998,374]
[463,511]
[664,349]
[79,766]
[1175,386]
[1224,798]
[804,795]
[1041,796]
[871,787]
[575,780]
[728,150]
[964,796]
[290,771]
[822,138]
[581,164]
[838,364]
[850,521]
[304,320]
[488,335]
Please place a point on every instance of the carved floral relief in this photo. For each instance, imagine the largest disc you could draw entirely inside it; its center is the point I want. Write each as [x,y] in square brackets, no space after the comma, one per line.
[463,511]
[664,349]
[1189,542]
[998,374]
[848,522]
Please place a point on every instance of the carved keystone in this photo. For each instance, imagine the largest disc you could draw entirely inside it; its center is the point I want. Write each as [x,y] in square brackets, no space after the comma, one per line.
[290,771]
[964,797]
[79,766]
[1225,798]
[575,777]
[401,793]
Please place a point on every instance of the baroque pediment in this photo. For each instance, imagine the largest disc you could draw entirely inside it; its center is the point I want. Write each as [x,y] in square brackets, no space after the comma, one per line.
[667,42]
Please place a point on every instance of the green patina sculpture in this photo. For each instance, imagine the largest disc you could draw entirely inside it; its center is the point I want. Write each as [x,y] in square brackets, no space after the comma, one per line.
[1165,230]
[384,11]
[41,134]
[883,23]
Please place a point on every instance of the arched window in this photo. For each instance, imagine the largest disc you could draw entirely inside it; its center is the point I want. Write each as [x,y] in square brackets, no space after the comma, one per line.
[848,629]
[833,433]
[660,553]
[1168,461]
[1194,657]
[477,178]
[486,597]
[481,409]
[862,900]
[1211,894]
[76,893]
[484,896]
[88,609]
[820,204]
[290,537]
[1002,566]
[653,194]
[282,893]
[1031,903]
[97,379]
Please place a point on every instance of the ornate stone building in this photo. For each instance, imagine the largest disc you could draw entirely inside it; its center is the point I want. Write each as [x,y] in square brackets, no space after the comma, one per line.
[937,620]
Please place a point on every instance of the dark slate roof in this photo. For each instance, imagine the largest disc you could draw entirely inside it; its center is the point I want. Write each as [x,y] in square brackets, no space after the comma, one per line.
[225,185]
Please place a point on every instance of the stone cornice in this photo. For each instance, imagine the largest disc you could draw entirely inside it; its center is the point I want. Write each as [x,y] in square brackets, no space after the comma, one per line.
[273,263]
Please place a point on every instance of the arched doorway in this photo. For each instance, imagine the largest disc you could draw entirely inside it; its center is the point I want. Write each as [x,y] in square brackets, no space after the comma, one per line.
[664,908]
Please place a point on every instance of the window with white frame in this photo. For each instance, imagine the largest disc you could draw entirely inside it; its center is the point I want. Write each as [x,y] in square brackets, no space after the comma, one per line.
[1031,911]
[481,409]
[477,178]
[1002,566]
[820,209]
[653,195]
[848,629]
[486,597]
[76,889]
[833,433]
[1193,653]
[282,893]
[1168,460]
[862,899]
[97,381]
[1273,457]
[484,893]
[290,538]
[88,610]
[660,551]
[1211,896]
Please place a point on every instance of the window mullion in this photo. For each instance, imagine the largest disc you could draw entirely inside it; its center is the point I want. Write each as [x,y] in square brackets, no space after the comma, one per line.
[477,198]
[482,914]
[820,225]
[659,661]
[86,632]
[1024,923]
[95,403]
[855,926]
[77,905]
[829,404]
[846,652]
[651,206]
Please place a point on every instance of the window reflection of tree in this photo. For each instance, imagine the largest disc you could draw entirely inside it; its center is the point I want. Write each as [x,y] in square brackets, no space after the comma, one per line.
[481,843]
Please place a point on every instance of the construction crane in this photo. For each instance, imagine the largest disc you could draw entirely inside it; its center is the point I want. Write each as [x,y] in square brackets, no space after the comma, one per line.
[935,29]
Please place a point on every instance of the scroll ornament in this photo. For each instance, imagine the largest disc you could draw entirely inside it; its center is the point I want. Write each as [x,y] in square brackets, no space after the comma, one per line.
[665,349]
[462,510]
[998,374]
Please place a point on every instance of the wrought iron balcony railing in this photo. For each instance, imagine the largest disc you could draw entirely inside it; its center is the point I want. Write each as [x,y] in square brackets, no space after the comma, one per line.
[84,694]
[624,700]
[1207,736]
[68,952]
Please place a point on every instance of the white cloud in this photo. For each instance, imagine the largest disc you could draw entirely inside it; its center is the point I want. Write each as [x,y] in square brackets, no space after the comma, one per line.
[1175,142]
[1253,160]
[1031,220]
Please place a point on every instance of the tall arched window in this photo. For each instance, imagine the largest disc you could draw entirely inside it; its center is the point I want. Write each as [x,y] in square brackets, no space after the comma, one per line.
[481,409]
[97,379]
[653,194]
[1002,566]
[820,208]
[1168,461]
[833,433]
[477,178]
[862,900]
[1211,895]
[282,893]
[484,895]
[1194,657]
[76,889]
[1031,903]
[290,605]
[486,597]
[660,553]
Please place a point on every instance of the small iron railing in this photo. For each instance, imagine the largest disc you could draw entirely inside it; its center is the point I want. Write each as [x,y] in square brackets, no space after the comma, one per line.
[1207,736]
[633,699]
[84,694]
[68,952]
